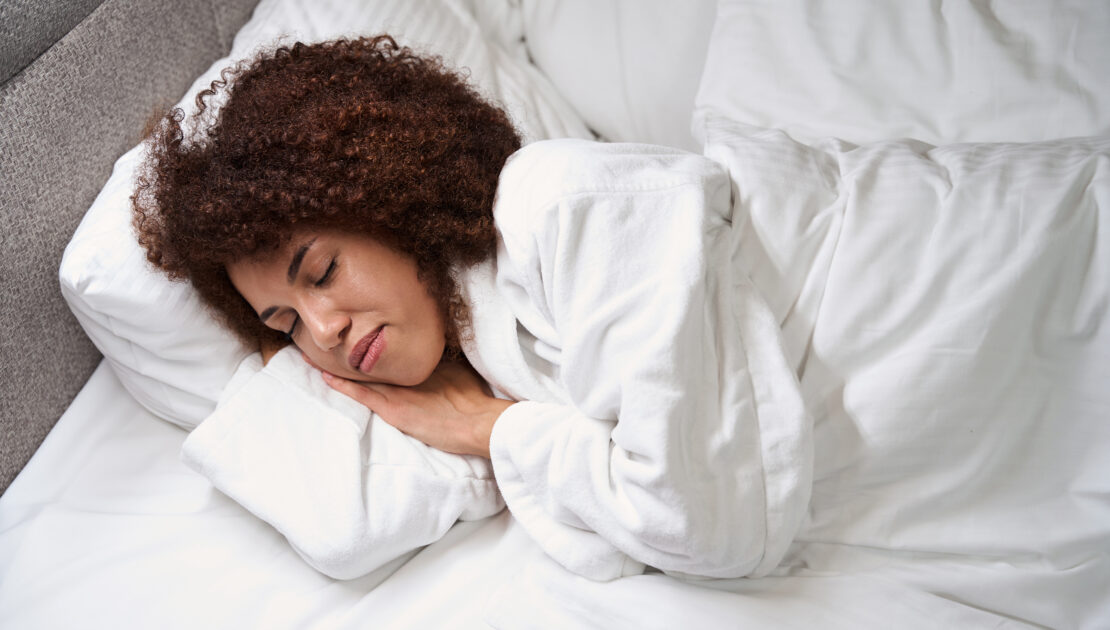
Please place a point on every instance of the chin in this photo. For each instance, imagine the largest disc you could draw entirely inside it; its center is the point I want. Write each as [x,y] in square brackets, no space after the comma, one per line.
[416,378]
[409,378]
[418,375]
[411,381]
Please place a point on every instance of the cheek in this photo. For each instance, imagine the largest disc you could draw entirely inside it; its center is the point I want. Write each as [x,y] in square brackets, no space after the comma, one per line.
[434,318]
[422,307]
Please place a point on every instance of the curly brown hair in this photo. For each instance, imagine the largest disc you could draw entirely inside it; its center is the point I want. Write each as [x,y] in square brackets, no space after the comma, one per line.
[360,135]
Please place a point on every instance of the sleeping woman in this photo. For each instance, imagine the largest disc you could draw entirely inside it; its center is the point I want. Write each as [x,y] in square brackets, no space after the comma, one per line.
[567,324]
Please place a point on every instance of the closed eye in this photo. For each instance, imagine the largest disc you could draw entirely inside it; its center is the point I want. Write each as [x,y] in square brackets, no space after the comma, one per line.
[292,329]
[323,281]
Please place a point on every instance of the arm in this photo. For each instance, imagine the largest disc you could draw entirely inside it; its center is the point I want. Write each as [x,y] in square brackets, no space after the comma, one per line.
[348,491]
[687,445]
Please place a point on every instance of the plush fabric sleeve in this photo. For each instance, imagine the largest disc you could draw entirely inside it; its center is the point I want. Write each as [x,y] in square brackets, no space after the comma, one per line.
[347,490]
[686,446]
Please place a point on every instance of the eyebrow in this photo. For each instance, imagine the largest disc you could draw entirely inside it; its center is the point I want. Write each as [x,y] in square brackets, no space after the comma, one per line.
[295,264]
[291,275]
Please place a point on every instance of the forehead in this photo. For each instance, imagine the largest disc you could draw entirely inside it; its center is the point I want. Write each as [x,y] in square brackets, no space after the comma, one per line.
[269,268]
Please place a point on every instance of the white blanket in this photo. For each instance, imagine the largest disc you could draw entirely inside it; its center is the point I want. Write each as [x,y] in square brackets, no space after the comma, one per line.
[947,309]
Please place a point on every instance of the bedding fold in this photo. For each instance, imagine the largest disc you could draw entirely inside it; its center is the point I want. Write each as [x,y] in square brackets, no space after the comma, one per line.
[948,310]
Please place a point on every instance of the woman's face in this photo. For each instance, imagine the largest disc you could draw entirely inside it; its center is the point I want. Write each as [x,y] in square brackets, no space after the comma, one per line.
[354,307]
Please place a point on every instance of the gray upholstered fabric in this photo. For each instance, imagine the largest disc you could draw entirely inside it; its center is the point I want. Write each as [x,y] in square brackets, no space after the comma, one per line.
[64,119]
[28,27]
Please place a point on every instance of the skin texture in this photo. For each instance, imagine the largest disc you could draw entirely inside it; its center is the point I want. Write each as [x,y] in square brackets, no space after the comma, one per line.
[344,288]
[347,286]
[452,411]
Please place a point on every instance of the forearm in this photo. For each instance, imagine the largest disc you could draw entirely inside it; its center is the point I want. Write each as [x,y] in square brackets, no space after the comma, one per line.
[685,508]
[482,426]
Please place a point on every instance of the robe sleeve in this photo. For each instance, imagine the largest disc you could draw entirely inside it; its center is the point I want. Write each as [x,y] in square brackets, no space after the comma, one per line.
[685,444]
[347,490]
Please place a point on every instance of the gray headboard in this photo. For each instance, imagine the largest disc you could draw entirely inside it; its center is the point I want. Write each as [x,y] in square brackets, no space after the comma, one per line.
[78,80]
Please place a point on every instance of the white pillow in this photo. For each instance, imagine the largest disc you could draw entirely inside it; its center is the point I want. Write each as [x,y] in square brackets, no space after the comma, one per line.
[631,68]
[165,347]
[865,71]
[161,342]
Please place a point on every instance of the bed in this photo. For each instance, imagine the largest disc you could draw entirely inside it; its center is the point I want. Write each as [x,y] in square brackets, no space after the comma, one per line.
[923,192]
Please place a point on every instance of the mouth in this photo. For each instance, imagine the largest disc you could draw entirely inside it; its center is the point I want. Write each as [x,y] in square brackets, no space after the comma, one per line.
[367,351]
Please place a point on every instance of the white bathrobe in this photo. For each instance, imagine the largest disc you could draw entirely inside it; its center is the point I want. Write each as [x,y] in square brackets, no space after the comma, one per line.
[660,423]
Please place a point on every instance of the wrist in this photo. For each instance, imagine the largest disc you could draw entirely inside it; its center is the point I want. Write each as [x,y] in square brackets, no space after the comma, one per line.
[484,427]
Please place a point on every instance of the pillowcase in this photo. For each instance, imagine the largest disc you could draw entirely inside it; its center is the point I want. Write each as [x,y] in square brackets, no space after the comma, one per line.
[631,68]
[449,29]
[865,71]
[167,350]
[164,346]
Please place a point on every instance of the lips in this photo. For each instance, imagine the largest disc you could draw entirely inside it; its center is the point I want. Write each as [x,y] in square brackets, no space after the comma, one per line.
[367,351]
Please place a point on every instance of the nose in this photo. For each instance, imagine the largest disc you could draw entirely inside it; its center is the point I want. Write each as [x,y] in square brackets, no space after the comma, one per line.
[324,324]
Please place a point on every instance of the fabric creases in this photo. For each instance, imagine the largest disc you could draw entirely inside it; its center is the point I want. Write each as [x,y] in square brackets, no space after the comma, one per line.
[676,437]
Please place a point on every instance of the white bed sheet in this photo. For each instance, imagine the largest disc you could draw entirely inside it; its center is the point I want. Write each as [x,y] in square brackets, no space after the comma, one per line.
[105,528]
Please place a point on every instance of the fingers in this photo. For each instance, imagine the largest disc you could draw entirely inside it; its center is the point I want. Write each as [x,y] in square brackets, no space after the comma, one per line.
[366,394]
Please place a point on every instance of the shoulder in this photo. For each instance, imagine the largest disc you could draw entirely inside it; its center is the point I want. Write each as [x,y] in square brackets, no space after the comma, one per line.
[554,168]
[539,177]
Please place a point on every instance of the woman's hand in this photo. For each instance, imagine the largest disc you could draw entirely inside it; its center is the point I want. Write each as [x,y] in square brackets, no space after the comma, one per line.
[453,410]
